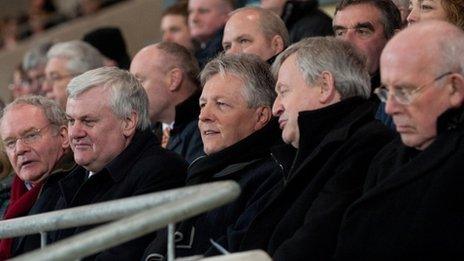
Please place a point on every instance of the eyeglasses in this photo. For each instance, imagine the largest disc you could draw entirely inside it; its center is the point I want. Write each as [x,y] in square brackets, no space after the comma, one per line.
[404,95]
[54,78]
[28,138]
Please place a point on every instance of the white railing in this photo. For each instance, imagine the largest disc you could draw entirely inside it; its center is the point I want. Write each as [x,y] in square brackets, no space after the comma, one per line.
[153,211]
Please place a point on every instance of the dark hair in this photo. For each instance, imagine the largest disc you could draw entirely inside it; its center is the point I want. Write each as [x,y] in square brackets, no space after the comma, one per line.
[391,16]
[180,8]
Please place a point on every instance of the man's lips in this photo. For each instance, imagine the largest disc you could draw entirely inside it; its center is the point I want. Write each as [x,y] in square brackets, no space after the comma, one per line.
[25,163]
[282,123]
[209,132]
[81,145]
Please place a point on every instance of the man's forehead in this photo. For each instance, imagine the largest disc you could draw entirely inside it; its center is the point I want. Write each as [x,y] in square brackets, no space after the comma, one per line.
[352,15]
[30,117]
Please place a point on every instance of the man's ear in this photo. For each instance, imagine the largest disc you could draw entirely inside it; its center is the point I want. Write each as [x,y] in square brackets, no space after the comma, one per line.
[456,90]
[329,94]
[63,133]
[175,79]
[263,116]
[277,44]
[129,124]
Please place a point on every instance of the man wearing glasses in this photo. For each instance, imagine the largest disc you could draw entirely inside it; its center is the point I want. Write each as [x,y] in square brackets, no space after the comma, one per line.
[65,61]
[413,203]
[35,137]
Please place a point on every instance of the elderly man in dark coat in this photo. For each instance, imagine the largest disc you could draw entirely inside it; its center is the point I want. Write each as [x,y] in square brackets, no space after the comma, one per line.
[238,131]
[413,204]
[35,138]
[322,91]
[117,154]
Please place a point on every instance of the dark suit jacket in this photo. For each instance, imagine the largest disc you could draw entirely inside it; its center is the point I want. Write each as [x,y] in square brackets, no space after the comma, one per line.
[302,218]
[143,167]
[413,204]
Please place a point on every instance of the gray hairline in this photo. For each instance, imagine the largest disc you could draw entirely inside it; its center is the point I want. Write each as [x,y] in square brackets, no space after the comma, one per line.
[74,90]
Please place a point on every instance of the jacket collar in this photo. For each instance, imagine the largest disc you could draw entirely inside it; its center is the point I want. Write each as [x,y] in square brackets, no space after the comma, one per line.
[261,142]
[121,165]
[417,163]
[331,124]
[186,112]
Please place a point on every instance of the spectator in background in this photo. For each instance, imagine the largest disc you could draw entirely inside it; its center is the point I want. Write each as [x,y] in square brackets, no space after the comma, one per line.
[403,7]
[368,25]
[413,202]
[174,26]
[65,61]
[446,10]
[168,72]
[42,14]
[206,23]
[257,31]
[20,84]
[34,62]
[111,44]
[35,137]
[117,154]
[302,17]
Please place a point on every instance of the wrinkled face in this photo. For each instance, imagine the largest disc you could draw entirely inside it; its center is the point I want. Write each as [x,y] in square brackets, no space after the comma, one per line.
[293,95]
[242,34]
[40,145]
[225,117]
[426,10]
[206,17]
[95,132]
[361,26]
[415,122]
[57,78]
[148,66]
[175,29]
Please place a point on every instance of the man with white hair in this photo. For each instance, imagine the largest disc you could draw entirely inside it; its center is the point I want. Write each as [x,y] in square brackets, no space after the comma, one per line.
[324,113]
[117,154]
[412,207]
[65,61]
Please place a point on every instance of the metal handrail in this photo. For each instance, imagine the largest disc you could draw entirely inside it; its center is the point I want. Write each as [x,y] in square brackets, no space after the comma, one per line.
[170,208]
[105,211]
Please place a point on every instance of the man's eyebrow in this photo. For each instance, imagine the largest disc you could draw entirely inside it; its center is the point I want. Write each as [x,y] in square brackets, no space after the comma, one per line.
[368,25]
[338,27]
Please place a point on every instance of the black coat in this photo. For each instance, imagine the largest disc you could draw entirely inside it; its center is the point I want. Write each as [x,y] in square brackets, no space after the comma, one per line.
[301,220]
[143,167]
[210,49]
[304,19]
[247,162]
[185,138]
[413,204]
[46,201]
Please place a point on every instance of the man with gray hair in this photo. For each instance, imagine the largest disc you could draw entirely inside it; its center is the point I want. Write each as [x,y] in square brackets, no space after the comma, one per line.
[322,91]
[34,134]
[117,154]
[257,31]
[33,64]
[412,206]
[168,72]
[237,132]
[65,61]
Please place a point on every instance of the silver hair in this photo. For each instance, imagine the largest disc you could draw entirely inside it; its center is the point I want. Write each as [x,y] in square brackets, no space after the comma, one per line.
[269,22]
[52,111]
[254,73]
[127,94]
[36,56]
[318,54]
[81,56]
